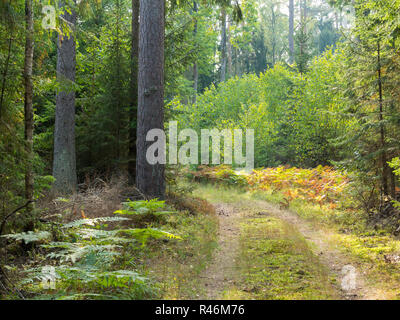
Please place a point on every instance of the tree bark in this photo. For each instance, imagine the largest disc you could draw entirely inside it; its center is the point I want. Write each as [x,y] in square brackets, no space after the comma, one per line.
[64,162]
[28,103]
[134,88]
[223,44]
[150,178]
[5,73]
[385,166]
[291,31]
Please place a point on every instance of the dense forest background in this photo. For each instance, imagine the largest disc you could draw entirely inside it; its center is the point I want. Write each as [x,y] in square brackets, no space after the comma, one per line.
[316,79]
[206,43]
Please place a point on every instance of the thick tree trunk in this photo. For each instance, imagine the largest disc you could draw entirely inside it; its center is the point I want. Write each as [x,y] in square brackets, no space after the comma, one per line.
[291,31]
[134,88]
[195,67]
[28,105]
[64,162]
[223,44]
[150,178]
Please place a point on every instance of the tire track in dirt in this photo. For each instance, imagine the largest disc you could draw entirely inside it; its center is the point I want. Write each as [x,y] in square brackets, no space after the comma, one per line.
[338,264]
[220,274]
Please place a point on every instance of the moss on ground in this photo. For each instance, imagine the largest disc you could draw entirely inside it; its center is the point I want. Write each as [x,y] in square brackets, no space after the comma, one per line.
[276,263]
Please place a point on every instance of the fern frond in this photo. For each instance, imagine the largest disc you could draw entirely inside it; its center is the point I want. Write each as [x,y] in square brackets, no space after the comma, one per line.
[29,236]
[92,222]
[143,235]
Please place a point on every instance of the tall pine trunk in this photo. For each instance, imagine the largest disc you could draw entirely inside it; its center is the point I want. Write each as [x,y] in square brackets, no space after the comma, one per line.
[150,178]
[28,104]
[134,88]
[291,31]
[64,162]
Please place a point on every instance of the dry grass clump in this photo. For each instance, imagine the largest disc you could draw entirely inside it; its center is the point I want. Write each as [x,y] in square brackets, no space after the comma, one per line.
[194,205]
[96,198]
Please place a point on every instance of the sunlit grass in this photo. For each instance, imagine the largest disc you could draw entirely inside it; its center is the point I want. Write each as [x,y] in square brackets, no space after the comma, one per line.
[177,266]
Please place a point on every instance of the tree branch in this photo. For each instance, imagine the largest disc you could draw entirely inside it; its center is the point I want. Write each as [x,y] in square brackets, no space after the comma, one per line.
[3,223]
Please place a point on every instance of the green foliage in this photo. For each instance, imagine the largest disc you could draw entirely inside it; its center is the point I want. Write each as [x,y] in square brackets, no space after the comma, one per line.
[142,235]
[29,236]
[370,95]
[395,165]
[86,256]
[293,117]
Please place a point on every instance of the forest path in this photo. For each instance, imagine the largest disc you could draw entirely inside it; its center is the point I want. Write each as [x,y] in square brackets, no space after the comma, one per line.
[339,265]
[350,282]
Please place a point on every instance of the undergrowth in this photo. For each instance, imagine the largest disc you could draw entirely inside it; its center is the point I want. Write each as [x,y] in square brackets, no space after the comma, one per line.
[91,258]
[177,266]
[92,246]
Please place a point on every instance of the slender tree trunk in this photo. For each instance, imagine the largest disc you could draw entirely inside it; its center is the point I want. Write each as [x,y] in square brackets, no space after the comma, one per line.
[64,162]
[291,31]
[117,93]
[195,67]
[28,105]
[274,41]
[392,184]
[134,88]
[223,44]
[385,166]
[150,178]
[5,73]
[305,15]
[229,49]
[336,20]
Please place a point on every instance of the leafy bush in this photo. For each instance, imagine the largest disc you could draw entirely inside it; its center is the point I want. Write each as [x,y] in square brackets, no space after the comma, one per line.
[295,117]
[322,185]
